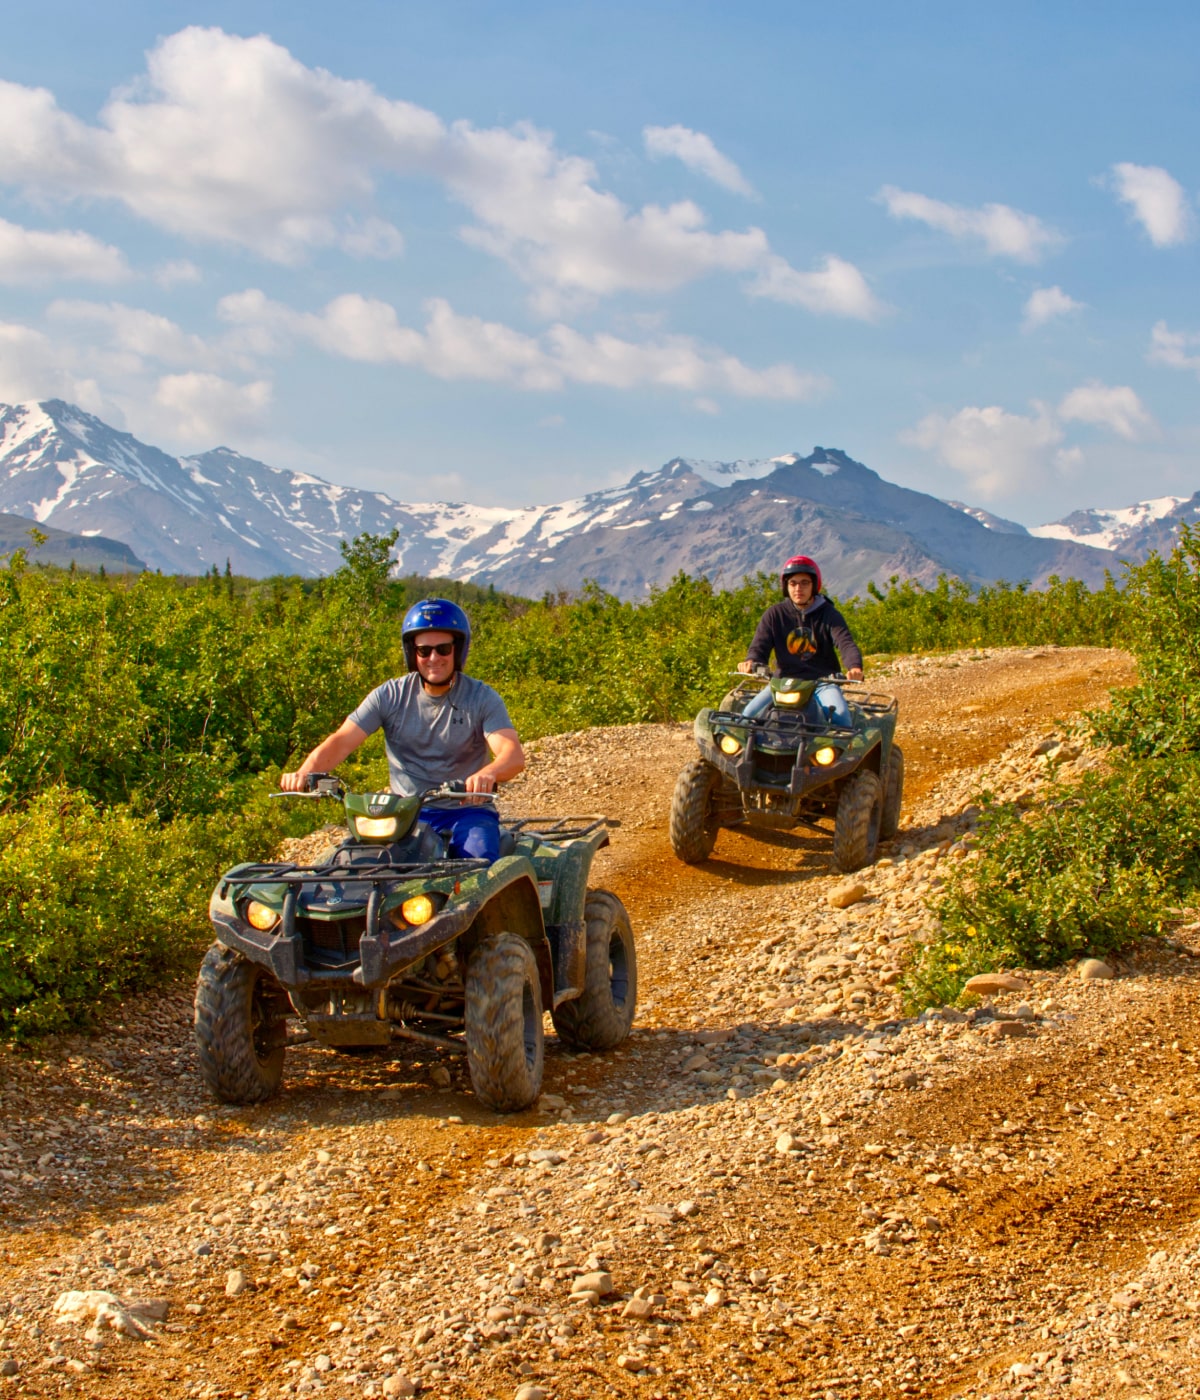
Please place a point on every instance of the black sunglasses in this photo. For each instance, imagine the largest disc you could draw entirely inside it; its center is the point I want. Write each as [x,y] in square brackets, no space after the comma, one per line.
[442,649]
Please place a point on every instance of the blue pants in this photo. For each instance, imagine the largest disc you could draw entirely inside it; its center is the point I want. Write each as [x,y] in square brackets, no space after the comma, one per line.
[474,831]
[827,706]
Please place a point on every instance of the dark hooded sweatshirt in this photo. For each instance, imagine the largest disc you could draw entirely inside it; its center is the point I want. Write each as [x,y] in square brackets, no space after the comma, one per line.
[806,643]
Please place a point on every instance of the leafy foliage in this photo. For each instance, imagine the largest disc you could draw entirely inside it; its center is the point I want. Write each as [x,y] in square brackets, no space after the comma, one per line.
[1090,871]
[142,720]
[1097,867]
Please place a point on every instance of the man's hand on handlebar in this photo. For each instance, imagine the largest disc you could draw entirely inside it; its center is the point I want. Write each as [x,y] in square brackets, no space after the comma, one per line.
[293,782]
[854,673]
[480,785]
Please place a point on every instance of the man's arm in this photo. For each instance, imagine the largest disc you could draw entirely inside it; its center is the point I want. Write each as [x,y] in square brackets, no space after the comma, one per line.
[508,759]
[847,648]
[758,653]
[327,755]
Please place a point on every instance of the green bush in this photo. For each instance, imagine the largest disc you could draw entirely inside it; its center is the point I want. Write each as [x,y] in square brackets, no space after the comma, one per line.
[1090,871]
[95,902]
[141,720]
[1161,714]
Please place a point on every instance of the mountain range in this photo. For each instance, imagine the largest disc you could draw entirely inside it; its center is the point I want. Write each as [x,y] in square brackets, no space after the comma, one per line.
[66,469]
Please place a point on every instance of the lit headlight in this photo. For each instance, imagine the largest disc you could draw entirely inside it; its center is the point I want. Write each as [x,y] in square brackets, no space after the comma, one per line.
[825,756]
[260,916]
[787,697]
[729,744]
[375,828]
[418,909]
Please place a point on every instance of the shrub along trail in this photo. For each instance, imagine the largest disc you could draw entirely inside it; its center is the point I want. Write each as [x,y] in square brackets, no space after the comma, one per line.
[779,1186]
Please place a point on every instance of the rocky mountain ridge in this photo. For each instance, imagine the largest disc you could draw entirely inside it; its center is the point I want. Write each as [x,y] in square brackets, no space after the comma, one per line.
[66,468]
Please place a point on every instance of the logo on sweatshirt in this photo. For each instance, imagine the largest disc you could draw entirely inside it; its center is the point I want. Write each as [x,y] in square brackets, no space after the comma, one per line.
[800,642]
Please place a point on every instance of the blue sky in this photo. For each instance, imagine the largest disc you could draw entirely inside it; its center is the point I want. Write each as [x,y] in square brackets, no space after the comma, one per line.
[507,253]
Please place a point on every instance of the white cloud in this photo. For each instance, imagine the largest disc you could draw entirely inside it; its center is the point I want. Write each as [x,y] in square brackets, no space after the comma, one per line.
[837,288]
[1177,349]
[225,139]
[1045,304]
[1115,407]
[999,453]
[117,375]
[232,140]
[1004,454]
[1004,232]
[451,346]
[698,153]
[1157,200]
[170,274]
[143,334]
[207,408]
[33,367]
[33,255]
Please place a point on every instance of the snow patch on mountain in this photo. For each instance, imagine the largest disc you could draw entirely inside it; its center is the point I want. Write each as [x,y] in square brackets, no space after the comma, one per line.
[1109,529]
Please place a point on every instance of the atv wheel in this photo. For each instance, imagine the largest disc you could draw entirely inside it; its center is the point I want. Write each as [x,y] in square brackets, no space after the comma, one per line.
[239,1031]
[504,1023]
[600,1017]
[859,810]
[693,829]
[893,793]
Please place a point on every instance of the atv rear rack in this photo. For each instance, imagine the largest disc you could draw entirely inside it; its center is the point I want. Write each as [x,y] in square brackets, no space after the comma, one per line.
[552,829]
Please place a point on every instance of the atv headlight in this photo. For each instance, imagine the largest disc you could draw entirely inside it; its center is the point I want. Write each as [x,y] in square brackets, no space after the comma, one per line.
[418,909]
[787,697]
[729,744]
[260,916]
[825,756]
[376,828]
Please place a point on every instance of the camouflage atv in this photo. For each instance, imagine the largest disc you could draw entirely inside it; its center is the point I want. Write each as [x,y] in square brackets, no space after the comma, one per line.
[390,939]
[779,769]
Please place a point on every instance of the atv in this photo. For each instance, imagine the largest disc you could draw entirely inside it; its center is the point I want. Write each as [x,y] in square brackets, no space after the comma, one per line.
[388,939]
[781,769]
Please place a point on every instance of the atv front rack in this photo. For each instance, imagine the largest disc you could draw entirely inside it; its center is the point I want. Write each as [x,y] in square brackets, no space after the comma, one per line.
[267,873]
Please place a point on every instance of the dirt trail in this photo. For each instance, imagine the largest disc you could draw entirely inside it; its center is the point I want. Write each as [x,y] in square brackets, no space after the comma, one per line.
[812,1199]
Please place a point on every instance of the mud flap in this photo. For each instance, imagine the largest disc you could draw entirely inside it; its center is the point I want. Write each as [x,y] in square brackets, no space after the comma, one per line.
[569,942]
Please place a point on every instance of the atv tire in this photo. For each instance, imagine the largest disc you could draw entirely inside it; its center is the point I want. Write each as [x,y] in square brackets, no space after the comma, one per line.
[240,1035]
[856,830]
[893,795]
[504,1033]
[601,1016]
[693,829]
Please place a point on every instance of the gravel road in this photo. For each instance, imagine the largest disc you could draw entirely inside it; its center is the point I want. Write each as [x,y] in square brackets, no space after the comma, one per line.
[779,1186]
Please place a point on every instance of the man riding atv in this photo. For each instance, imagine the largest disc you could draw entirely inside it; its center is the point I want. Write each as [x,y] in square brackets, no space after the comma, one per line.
[796,752]
[803,631]
[392,936]
[438,725]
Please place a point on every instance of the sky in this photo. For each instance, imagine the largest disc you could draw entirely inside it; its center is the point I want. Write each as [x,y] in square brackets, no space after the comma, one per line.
[508,253]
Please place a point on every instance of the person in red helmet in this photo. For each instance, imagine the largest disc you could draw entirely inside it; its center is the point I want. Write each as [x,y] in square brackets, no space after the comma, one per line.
[808,635]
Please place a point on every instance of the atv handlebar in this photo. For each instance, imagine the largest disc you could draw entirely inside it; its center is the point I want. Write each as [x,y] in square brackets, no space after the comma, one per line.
[330,785]
[763,673]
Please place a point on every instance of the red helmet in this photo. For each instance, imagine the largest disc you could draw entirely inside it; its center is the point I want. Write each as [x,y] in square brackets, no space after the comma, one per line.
[800,564]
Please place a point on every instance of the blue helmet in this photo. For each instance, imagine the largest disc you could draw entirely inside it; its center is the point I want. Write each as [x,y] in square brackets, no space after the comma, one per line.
[436,615]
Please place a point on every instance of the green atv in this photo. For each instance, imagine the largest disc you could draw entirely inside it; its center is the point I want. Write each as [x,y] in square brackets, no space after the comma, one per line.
[780,769]
[390,939]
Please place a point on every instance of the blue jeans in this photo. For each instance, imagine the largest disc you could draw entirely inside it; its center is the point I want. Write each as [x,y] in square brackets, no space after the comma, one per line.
[474,831]
[827,706]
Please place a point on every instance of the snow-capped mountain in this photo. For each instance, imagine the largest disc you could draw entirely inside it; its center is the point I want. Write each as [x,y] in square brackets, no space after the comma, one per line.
[61,466]
[1133,532]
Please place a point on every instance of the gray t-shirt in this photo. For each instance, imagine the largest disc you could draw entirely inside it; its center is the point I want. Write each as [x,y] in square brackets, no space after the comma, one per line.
[432,739]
